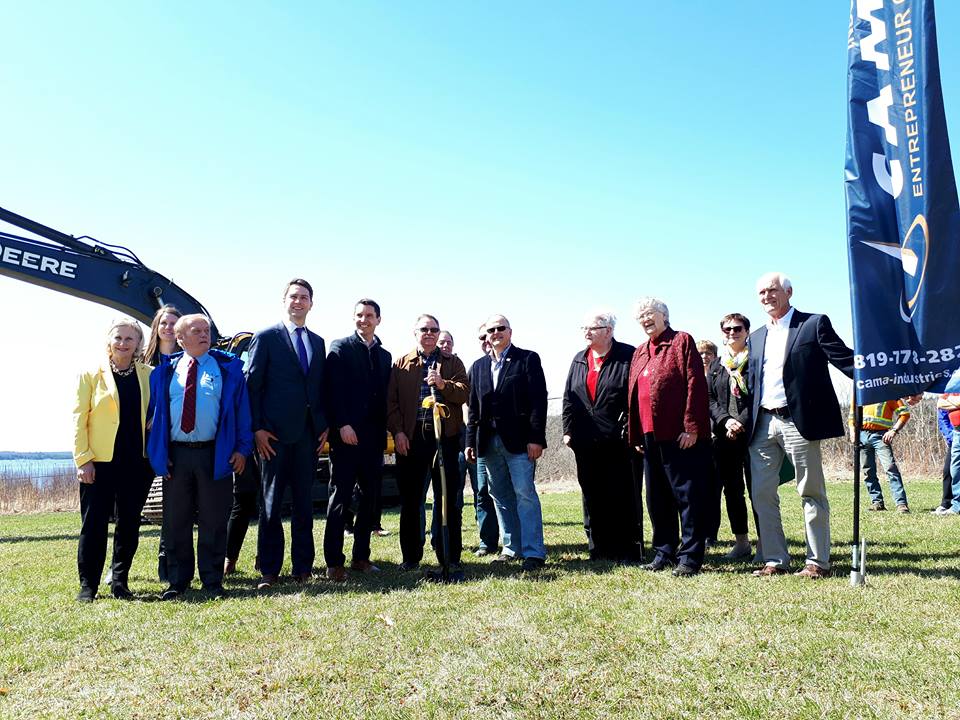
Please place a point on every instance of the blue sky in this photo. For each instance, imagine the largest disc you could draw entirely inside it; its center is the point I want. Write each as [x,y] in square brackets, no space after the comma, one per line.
[536,159]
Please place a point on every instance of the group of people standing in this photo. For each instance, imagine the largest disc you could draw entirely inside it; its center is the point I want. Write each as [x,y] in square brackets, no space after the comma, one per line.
[692,429]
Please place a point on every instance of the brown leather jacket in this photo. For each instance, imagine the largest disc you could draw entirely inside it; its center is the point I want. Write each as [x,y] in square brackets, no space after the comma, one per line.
[678,388]
[403,393]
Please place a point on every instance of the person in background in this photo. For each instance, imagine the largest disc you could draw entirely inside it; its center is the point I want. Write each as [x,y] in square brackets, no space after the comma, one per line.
[730,400]
[669,422]
[951,403]
[946,430]
[882,422]
[594,416]
[109,421]
[162,344]
[711,368]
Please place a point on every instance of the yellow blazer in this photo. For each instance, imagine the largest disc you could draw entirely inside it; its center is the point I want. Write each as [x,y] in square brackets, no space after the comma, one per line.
[96,415]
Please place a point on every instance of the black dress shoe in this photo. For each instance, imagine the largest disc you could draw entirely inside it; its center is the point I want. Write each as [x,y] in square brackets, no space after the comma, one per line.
[658,565]
[409,566]
[121,592]
[170,594]
[216,592]
[532,564]
[86,595]
[682,570]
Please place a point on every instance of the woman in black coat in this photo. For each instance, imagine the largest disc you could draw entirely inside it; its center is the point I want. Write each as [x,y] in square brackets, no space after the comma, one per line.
[730,400]
[594,415]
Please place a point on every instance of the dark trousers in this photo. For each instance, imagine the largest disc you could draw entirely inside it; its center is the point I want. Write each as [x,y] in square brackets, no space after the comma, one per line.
[609,500]
[678,484]
[191,492]
[356,471]
[246,489]
[946,499]
[732,463]
[293,465]
[411,469]
[119,483]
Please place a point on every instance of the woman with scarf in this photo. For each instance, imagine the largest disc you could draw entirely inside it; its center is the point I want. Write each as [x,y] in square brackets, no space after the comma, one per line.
[730,400]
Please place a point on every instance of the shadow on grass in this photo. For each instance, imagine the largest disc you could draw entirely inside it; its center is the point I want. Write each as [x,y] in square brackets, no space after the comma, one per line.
[56,538]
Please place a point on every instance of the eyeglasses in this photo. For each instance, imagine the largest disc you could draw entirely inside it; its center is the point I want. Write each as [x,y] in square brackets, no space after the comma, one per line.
[594,328]
[429,330]
[732,329]
[647,315]
[498,328]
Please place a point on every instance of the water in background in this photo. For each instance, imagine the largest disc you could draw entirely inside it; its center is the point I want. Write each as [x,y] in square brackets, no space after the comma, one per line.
[41,472]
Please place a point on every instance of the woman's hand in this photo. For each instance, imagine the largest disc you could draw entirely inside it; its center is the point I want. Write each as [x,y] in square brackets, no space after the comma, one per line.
[687,440]
[86,473]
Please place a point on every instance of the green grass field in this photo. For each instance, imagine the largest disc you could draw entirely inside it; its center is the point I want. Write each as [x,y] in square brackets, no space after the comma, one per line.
[581,640]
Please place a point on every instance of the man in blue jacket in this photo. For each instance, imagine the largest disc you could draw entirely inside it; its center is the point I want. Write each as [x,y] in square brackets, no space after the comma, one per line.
[199,436]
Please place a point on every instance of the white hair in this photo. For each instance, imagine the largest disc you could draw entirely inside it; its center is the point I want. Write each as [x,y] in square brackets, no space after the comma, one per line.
[651,303]
[778,277]
[606,318]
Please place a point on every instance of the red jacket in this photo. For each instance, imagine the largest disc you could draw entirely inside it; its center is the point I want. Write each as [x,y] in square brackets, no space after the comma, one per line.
[678,388]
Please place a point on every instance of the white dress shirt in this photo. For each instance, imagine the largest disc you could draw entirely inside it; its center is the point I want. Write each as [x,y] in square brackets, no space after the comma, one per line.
[773,394]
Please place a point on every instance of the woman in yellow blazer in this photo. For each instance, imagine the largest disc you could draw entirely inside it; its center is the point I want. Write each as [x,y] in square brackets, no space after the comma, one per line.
[109,419]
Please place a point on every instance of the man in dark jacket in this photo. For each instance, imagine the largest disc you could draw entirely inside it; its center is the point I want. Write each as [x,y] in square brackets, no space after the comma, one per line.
[506,435]
[594,419]
[794,408]
[357,373]
[285,380]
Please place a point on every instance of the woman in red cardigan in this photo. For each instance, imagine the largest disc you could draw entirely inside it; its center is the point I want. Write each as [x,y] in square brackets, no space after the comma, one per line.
[670,424]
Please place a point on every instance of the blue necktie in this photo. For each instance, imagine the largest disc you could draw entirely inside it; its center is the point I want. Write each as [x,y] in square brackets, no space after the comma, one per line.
[302,351]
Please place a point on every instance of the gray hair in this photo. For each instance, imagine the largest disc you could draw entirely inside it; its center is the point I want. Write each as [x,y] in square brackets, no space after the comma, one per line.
[605,317]
[126,322]
[779,277]
[651,303]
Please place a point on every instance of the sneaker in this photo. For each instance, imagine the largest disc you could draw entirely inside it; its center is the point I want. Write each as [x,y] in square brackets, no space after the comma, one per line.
[381,532]
[877,506]
[903,508]
[940,510]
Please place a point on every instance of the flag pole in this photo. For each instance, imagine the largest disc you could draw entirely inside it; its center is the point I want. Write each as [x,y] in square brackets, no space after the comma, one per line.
[858,564]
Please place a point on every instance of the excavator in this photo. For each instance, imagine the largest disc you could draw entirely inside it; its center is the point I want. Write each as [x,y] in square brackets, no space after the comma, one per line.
[114,276]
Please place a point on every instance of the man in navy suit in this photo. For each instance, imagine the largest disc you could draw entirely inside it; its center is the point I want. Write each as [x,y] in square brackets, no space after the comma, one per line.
[285,384]
[794,408]
[357,373]
[506,434]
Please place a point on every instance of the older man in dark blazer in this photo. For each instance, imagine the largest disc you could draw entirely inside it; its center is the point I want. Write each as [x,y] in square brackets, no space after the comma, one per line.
[794,408]
[357,373]
[506,435]
[285,383]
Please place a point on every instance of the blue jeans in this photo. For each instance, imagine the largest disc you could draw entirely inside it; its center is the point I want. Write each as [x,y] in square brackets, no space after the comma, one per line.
[515,499]
[874,448]
[955,469]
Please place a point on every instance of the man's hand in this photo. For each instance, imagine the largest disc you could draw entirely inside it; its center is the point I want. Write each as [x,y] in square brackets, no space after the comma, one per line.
[566,440]
[238,462]
[888,436]
[913,399]
[734,427]
[86,473]
[638,449]
[401,443]
[348,436]
[262,439]
[687,440]
[433,377]
[534,451]
[470,454]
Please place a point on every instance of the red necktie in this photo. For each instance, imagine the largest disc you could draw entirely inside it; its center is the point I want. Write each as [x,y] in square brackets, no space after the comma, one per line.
[189,416]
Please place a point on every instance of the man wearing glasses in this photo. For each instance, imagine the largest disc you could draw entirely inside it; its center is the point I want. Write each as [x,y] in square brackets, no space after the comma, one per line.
[413,378]
[506,434]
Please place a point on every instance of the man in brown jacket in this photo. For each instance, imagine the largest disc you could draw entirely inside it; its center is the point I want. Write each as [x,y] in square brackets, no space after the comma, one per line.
[412,379]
